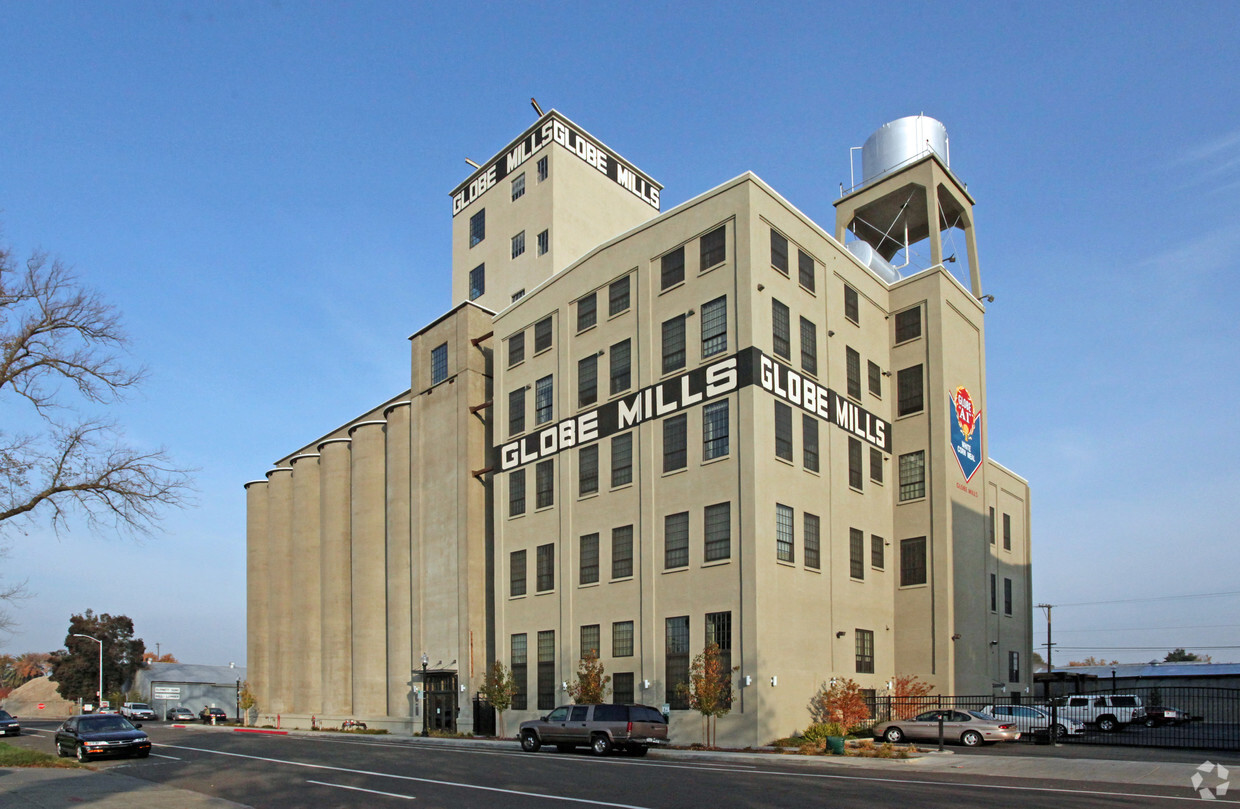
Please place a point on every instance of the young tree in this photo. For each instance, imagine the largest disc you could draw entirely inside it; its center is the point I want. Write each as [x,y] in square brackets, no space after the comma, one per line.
[839,701]
[245,702]
[710,688]
[76,668]
[149,657]
[498,689]
[907,691]
[1181,656]
[589,687]
[1092,661]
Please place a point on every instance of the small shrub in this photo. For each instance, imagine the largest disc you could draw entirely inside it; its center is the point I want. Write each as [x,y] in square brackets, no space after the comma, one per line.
[819,731]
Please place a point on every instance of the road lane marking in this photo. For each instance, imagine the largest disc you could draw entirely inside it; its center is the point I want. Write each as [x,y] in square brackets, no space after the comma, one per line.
[360,789]
[157,755]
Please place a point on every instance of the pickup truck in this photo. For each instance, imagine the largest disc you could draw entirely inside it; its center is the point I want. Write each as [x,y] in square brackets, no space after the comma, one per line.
[137,710]
[1108,711]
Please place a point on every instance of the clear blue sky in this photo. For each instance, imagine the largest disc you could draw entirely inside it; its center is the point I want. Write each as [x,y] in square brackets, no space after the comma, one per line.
[263,189]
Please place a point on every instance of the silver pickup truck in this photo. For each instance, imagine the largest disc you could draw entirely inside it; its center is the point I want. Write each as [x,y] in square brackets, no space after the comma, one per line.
[631,728]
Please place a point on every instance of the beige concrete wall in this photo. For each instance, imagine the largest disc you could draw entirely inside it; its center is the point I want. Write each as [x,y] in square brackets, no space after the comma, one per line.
[336,577]
[369,569]
[400,654]
[280,584]
[258,603]
[305,637]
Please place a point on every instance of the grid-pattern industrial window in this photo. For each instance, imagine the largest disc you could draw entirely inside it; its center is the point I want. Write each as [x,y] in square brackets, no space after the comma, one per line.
[1007,532]
[1013,667]
[676,540]
[439,364]
[878,556]
[676,655]
[876,378]
[542,334]
[876,465]
[856,553]
[520,677]
[546,670]
[477,281]
[865,651]
[809,346]
[809,442]
[587,380]
[545,574]
[516,573]
[518,295]
[621,367]
[518,244]
[1007,596]
[994,593]
[542,169]
[622,552]
[544,483]
[674,344]
[908,324]
[779,330]
[805,264]
[672,268]
[912,561]
[589,559]
[714,248]
[813,541]
[717,531]
[719,632]
[618,296]
[544,242]
[518,187]
[913,475]
[622,688]
[622,639]
[516,492]
[543,399]
[516,411]
[990,526]
[784,533]
[909,398]
[715,326]
[587,470]
[675,446]
[587,311]
[852,309]
[855,475]
[590,640]
[477,227]
[779,252]
[783,431]
[715,430]
[621,460]
[516,349]
[854,372]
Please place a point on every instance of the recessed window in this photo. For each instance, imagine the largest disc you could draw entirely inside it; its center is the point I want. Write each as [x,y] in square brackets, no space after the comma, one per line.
[809,442]
[622,552]
[675,450]
[621,367]
[518,244]
[477,227]
[674,344]
[854,372]
[784,533]
[545,480]
[779,329]
[809,347]
[545,579]
[676,540]
[908,324]
[990,526]
[783,431]
[715,327]
[518,295]
[912,561]
[589,562]
[913,475]
[714,248]
[618,296]
[994,594]
[621,460]
[856,553]
[587,312]
[587,470]
[909,397]
[855,475]
[672,269]
[805,265]
[543,400]
[878,555]
[546,670]
[715,430]
[516,349]
[439,363]
[590,640]
[623,688]
[813,544]
[676,662]
[587,380]
[865,651]
[544,242]
[516,493]
[542,169]
[719,633]
[477,281]
[520,672]
[718,532]
[1007,532]
[516,411]
[518,187]
[542,334]
[1013,667]
[876,465]
[852,308]
[1007,596]
[876,378]
[622,639]
[516,573]
[779,252]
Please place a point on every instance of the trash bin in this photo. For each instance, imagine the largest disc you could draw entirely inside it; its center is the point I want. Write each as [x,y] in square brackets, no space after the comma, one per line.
[1041,736]
[836,743]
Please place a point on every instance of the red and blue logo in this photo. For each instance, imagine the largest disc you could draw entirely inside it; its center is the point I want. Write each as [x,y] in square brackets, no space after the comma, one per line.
[966,433]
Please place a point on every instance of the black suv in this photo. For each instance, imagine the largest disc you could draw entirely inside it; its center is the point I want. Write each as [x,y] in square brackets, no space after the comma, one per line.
[213,716]
[631,728]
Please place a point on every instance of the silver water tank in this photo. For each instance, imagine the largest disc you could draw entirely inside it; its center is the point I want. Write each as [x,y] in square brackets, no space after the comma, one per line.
[868,256]
[901,142]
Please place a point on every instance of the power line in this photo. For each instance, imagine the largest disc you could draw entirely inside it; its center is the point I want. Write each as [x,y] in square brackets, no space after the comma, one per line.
[1153,628]
[1152,598]
[1133,648]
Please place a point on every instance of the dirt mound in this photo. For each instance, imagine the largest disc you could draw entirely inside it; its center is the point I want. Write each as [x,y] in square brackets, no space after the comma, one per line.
[24,702]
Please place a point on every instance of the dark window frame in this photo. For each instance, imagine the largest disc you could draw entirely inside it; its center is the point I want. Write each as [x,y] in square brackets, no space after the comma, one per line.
[781,330]
[618,298]
[713,248]
[588,567]
[674,350]
[675,443]
[717,532]
[856,554]
[516,493]
[910,391]
[914,562]
[805,269]
[783,431]
[676,540]
[621,461]
[439,363]
[811,525]
[544,573]
[517,580]
[785,533]
[865,650]
[622,552]
[714,326]
[779,251]
[672,268]
[716,430]
[587,470]
[587,312]
[544,484]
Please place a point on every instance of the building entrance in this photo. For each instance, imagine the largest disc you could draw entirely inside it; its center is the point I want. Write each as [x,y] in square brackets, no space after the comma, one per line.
[441,702]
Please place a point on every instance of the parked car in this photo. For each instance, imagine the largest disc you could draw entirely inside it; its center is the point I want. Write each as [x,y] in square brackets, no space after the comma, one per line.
[213,716]
[631,728]
[971,728]
[137,710]
[9,725]
[1108,711]
[1032,718]
[100,735]
[1156,715]
[179,714]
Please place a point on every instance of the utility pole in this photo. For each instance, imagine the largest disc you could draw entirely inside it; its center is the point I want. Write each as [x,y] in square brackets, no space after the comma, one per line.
[1049,645]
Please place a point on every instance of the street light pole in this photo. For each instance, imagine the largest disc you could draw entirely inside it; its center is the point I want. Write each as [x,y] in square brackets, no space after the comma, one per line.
[99,696]
[425,696]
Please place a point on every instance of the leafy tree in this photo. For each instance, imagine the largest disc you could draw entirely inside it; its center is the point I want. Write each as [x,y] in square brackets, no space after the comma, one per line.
[1181,656]
[1038,660]
[907,693]
[149,657]
[246,702]
[76,668]
[839,701]
[589,687]
[710,688]
[498,689]
[1093,661]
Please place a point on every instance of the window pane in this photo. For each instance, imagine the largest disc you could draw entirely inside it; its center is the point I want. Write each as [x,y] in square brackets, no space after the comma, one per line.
[516,493]
[714,248]
[809,441]
[516,572]
[518,187]
[587,311]
[779,252]
[590,641]
[715,326]
[1007,532]
[618,296]
[856,553]
[908,324]
[544,242]
[516,411]
[675,448]
[674,344]
[542,335]
[516,349]
[546,670]
[676,540]
[718,532]
[912,561]
[865,651]
[876,378]
[809,346]
[779,329]
[477,227]
[913,475]
[588,469]
[784,533]
[622,552]
[477,282]
[783,431]
[542,169]
[621,459]
[520,662]
[877,552]
[719,632]
[805,264]
[813,546]
[622,688]
[909,391]
[715,430]
[587,380]
[621,374]
[855,475]
[876,465]
[676,655]
[546,568]
[854,373]
[518,244]
[439,364]
[545,480]
[543,399]
[622,639]
[1007,596]
[672,269]
[852,310]
[589,559]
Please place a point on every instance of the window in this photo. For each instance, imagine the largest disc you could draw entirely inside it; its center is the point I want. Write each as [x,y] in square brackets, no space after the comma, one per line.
[477,227]
[856,553]
[809,442]
[621,460]
[544,242]
[622,685]
[877,552]
[516,349]
[876,465]
[590,641]
[913,475]
[518,187]
[676,540]
[908,391]
[718,532]
[908,324]
[545,482]
[516,493]
[990,526]
[675,449]
[852,310]
[674,344]
[618,296]
[587,380]
[518,244]
[477,282]
[672,268]
[622,552]
[621,376]
[543,396]
[542,334]
[854,373]
[542,169]
[715,430]
[516,573]
[876,378]
[516,411]
[783,431]
[587,312]
[865,651]
[518,295]
[439,364]
[1007,596]
[779,252]
[589,559]
[809,347]
[1007,532]
[779,330]
[1013,667]
[784,538]
[546,568]
[715,326]
[994,594]
[587,470]
[676,655]
[714,248]
[813,545]
[912,561]
[520,660]
[622,639]
[854,463]
[719,632]
[805,263]
[546,670]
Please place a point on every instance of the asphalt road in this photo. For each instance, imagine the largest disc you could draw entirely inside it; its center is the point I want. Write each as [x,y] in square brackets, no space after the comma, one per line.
[278,772]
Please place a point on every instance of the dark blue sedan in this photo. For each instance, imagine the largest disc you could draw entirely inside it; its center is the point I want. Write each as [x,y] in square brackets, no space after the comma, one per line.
[88,736]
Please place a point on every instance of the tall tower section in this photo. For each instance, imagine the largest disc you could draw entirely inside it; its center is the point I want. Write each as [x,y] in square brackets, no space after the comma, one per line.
[545,200]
